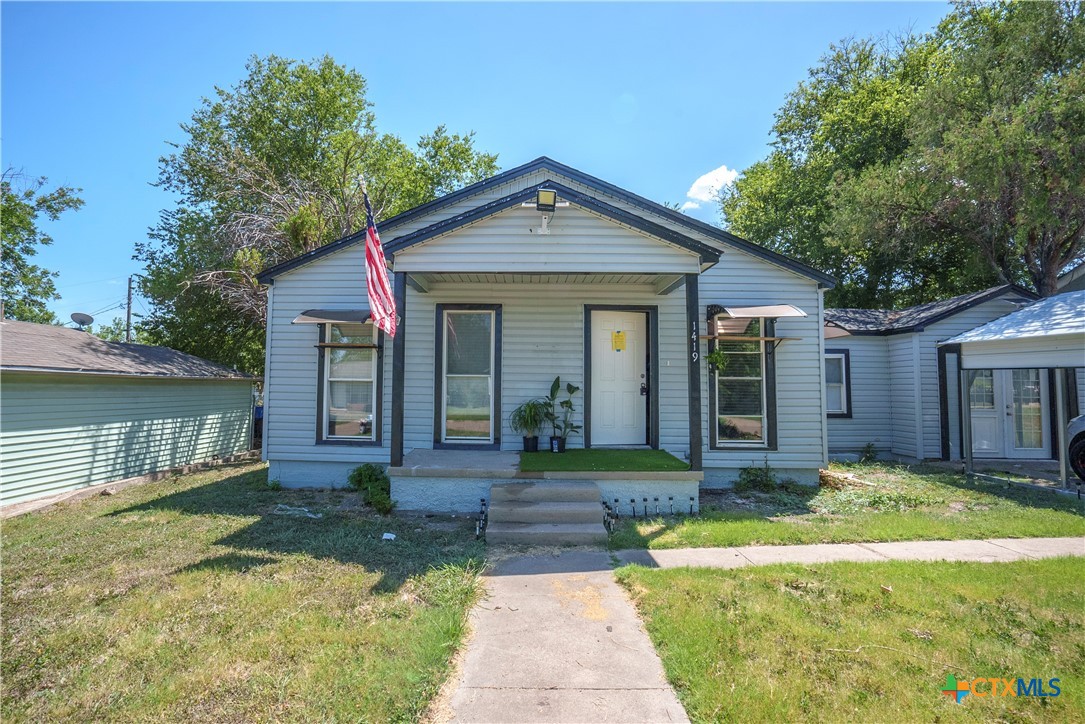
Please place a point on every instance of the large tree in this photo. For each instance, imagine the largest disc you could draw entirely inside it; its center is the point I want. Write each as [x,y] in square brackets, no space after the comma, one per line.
[28,288]
[998,141]
[936,166]
[850,115]
[271,168]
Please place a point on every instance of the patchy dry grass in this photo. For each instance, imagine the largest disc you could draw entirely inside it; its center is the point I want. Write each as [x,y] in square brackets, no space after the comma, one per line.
[881,502]
[192,599]
[829,643]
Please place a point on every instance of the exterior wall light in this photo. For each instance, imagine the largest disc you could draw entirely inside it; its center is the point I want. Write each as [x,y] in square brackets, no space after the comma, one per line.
[546,200]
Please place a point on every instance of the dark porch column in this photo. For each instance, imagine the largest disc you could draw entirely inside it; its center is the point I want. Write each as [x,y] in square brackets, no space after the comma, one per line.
[399,350]
[693,361]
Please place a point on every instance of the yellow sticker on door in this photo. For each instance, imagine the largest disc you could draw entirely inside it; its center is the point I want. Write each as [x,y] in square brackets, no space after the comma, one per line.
[617,341]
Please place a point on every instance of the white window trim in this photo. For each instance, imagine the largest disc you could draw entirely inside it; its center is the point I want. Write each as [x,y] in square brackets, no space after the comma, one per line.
[444,377]
[746,443]
[844,384]
[325,414]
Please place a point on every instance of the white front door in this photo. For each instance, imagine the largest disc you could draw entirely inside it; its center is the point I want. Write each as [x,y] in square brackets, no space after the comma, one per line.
[1010,414]
[619,365]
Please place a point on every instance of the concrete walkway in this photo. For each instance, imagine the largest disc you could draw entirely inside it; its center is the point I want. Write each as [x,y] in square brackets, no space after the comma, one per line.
[983,551]
[557,640]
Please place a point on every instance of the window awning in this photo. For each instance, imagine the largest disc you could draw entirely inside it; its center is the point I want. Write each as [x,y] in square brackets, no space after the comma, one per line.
[769,311]
[729,324]
[332,316]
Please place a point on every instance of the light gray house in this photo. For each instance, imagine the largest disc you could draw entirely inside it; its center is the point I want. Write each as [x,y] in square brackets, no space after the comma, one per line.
[616,294]
[77,411]
[893,384]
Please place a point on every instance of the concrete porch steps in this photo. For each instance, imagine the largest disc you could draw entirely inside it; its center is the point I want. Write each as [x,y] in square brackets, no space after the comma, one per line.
[545,513]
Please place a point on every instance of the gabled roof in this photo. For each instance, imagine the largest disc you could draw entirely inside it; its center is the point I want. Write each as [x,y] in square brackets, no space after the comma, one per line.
[707,254]
[28,347]
[1060,315]
[914,319]
[715,233]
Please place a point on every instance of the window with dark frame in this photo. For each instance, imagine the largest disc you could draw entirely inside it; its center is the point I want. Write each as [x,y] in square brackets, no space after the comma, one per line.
[740,382]
[349,383]
[837,383]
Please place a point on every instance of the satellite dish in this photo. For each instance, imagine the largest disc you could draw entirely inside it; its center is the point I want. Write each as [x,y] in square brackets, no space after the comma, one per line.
[82,319]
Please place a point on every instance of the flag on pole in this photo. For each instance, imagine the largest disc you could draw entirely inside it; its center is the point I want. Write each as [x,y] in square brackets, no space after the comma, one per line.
[382,305]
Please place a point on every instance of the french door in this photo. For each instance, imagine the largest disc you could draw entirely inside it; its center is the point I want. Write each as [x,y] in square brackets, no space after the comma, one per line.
[1011,415]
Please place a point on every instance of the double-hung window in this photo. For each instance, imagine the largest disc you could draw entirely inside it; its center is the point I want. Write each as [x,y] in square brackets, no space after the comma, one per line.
[350,380]
[743,392]
[837,383]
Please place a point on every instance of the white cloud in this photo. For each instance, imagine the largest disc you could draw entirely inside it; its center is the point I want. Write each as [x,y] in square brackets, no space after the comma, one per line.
[707,186]
[690,205]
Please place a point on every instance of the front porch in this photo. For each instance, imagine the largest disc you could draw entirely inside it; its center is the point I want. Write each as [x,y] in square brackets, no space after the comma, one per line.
[458,480]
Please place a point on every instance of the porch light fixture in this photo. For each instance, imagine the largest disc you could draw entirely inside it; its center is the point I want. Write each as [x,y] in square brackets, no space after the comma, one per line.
[546,201]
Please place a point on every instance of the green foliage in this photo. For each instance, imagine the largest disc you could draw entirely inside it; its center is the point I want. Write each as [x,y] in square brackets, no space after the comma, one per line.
[115,332]
[869,453]
[816,626]
[935,166]
[529,417]
[883,502]
[376,488]
[757,477]
[176,586]
[560,413]
[28,288]
[269,169]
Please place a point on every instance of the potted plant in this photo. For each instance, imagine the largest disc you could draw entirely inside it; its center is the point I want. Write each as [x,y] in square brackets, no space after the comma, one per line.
[527,419]
[560,414]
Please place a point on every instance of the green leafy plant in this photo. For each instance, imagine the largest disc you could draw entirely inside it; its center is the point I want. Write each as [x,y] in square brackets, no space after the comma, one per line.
[560,414]
[529,417]
[868,454]
[757,477]
[374,485]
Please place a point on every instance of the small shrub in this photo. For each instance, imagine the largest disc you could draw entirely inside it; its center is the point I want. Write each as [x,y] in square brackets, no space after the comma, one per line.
[868,454]
[757,477]
[374,485]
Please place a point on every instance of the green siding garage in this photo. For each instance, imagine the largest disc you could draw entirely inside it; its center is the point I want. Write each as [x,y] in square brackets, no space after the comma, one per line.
[77,411]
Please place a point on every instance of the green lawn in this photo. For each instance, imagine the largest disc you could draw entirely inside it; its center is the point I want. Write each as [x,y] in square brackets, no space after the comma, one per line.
[885,503]
[192,599]
[598,460]
[828,643]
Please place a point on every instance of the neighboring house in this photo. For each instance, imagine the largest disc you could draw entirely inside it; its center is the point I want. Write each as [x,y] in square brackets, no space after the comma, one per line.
[891,383]
[616,294]
[1073,280]
[76,410]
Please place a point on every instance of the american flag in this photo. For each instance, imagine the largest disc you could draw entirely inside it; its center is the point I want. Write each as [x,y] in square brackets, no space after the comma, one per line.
[382,305]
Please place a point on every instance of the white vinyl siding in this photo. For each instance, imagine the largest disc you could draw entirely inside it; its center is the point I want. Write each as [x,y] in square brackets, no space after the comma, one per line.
[64,432]
[870,421]
[542,336]
[928,360]
[579,241]
[291,415]
[742,279]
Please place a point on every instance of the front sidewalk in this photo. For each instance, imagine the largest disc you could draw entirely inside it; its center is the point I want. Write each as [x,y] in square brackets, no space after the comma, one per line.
[557,640]
[996,550]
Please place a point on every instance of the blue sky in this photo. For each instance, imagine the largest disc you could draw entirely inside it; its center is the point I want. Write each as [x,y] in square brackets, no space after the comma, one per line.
[650,97]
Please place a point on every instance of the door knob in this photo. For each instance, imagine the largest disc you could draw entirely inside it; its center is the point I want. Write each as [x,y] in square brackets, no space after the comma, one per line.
[643,389]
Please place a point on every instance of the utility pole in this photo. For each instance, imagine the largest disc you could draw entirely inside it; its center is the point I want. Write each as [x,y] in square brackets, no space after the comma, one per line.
[128,315]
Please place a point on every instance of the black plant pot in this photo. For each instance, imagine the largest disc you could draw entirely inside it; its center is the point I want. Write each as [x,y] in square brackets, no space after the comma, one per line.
[557,444]
[531,444]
